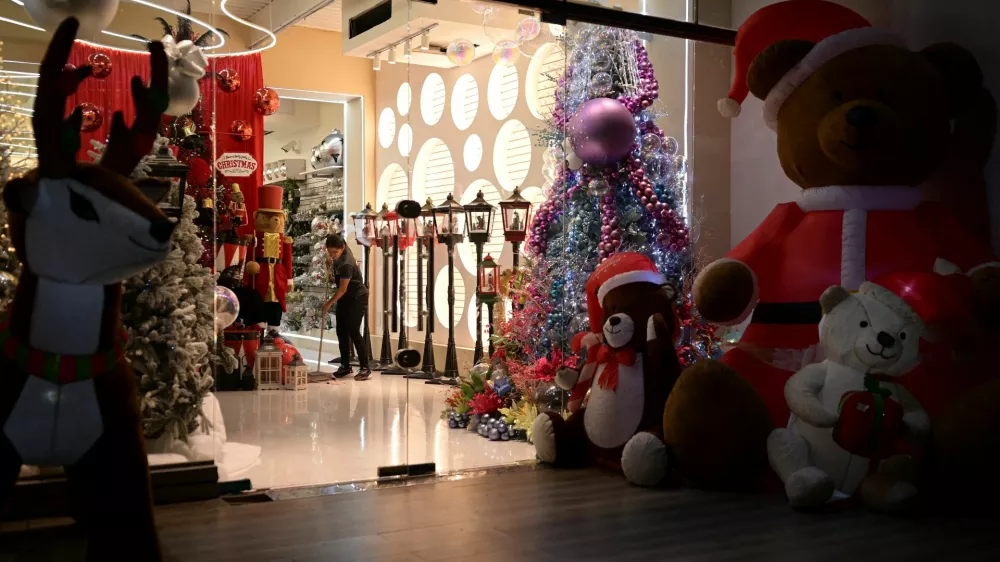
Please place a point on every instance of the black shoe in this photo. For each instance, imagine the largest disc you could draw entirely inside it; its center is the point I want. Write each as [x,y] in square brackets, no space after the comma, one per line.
[342,372]
[334,361]
[363,374]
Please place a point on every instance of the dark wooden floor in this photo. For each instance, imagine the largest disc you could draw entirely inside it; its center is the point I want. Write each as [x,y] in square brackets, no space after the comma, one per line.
[535,515]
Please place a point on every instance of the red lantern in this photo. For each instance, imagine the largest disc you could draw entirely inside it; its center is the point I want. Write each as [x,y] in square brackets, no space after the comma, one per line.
[93,117]
[266,101]
[100,64]
[229,80]
[241,129]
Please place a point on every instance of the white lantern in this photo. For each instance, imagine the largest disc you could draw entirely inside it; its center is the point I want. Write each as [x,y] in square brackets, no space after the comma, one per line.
[267,367]
[296,375]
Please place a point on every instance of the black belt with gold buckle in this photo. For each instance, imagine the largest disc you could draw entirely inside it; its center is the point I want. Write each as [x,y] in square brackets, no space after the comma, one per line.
[268,260]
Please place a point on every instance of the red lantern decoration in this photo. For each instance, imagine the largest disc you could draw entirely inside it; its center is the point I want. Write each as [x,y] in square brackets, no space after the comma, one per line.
[100,64]
[229,80]
[93,117]
[266,101]
[241,129]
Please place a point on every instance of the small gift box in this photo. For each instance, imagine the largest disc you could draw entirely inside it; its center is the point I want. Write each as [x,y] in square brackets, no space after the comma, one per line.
[870,421]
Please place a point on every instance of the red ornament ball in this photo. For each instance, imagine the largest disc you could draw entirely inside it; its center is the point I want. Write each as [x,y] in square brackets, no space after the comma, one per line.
[93,117]
[241,129]
[100,64]
[229,80]
[266,101]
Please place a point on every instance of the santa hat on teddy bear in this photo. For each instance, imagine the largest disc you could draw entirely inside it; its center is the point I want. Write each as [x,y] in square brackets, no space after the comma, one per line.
[618,270]
[832,27]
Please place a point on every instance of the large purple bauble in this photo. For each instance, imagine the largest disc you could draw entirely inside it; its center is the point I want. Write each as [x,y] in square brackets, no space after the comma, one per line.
[602,131]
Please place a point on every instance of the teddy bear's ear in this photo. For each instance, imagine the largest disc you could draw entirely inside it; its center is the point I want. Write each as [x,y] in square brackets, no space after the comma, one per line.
[670,290]
[773,63]
[832,297]
[962,74]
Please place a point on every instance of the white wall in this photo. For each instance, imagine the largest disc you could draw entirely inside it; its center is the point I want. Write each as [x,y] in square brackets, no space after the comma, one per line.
[973,25]
[304,121]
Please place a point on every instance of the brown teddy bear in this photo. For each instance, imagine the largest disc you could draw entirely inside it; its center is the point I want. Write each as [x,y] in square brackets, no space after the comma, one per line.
[618,396]
[860,121]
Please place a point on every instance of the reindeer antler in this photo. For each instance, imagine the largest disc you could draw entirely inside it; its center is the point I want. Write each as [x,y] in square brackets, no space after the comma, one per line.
[127,145]
[58,139]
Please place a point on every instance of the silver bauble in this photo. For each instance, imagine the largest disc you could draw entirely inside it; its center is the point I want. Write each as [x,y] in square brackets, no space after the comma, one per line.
[94,15]
[329,152]
[227,308]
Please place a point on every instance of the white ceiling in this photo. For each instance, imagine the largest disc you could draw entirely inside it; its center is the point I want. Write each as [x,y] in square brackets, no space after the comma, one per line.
[328,18]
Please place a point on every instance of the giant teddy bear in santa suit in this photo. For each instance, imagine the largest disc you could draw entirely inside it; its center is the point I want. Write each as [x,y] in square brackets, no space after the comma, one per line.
[860,121]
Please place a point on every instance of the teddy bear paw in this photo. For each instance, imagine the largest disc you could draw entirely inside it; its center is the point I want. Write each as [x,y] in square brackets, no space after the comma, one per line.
[808,487]
[644,460]
[543,435]
[884,493]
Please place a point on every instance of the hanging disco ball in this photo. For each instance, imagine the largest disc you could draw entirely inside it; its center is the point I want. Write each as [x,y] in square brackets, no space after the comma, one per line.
[329,152]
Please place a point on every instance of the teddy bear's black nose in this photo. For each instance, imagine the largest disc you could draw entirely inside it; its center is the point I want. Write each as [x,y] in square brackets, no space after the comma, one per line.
[614,320]
[862,116]
[885,339]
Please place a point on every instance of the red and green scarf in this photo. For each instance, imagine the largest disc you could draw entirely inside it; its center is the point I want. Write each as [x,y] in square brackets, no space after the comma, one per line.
[53,367]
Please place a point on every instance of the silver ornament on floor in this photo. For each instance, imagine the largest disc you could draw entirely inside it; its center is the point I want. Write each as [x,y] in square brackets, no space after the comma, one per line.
[93,15]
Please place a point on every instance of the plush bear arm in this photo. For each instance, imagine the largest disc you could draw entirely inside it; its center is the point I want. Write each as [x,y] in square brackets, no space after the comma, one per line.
[727,290]
[802,394]
[566,378]
[916,420]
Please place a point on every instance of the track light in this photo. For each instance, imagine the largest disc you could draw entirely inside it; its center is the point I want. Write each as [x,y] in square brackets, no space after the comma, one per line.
[406,50]
[425,41]
[392,54]
[377,61]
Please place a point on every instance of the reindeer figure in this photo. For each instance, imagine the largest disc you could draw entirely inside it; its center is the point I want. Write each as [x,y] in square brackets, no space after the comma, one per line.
[68,397]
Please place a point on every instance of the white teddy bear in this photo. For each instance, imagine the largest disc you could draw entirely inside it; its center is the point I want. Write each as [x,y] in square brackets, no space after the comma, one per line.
[873,333]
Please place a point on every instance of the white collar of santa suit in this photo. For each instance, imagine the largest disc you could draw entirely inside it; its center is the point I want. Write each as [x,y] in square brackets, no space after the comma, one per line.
[862,198]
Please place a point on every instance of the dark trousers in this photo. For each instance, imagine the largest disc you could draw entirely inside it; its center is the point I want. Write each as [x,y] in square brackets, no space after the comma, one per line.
[349,317]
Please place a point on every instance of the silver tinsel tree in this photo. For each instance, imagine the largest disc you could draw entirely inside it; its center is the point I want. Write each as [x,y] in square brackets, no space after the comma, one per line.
[305,303]
[169,314]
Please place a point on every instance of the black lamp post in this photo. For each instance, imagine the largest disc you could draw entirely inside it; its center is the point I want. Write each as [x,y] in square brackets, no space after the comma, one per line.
[385,229]
[364,233]
[425,249]
[479,216]
[448,225]
[170,196]
[516,214]
[404,238]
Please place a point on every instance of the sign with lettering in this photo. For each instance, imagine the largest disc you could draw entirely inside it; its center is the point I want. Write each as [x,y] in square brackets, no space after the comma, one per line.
[236,164]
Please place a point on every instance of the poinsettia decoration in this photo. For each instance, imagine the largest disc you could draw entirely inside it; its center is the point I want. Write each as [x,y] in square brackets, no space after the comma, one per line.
[485,402]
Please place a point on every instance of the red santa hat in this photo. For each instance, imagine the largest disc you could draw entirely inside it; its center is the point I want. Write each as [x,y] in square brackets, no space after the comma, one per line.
[620,269]
[941,300]
[834,28]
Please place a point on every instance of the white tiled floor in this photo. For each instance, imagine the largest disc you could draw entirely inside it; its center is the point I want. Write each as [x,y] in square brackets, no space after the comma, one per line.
[344,430]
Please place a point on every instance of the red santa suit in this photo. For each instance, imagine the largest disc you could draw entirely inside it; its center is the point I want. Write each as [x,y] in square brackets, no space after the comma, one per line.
[833,236]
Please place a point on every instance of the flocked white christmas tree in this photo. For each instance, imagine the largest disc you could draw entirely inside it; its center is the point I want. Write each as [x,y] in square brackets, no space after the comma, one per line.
[169,313]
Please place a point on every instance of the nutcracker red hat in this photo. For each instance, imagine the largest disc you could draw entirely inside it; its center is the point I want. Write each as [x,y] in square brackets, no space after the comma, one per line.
[941,300]
[834,28]
[620,269]
[269,198]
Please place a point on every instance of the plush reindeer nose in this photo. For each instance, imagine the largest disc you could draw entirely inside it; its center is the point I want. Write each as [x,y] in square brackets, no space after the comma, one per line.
[614,321]
[885,339]
[161,230]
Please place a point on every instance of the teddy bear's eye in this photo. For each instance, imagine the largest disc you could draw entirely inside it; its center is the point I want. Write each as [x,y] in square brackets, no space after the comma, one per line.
[838,95]
[902,335]
[864,323]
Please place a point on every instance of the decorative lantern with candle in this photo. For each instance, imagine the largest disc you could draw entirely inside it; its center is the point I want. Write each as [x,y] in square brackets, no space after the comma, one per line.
[479,214]
[448,225]
[516,214]
[364,233]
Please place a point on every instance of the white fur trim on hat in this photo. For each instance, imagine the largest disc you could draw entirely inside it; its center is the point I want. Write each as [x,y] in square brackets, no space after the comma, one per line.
[983,266]
[640,276]
[824,51]
[729,108]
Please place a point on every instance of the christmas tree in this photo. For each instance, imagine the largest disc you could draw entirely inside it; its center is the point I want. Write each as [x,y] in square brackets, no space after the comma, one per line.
[602,199]
[169,314]
[16,157]
[311,279]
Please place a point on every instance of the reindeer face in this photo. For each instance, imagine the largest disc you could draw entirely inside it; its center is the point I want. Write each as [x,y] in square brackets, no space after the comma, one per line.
[77,234]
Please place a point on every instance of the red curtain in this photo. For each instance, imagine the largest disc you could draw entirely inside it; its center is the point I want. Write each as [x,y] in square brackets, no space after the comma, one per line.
[113,93]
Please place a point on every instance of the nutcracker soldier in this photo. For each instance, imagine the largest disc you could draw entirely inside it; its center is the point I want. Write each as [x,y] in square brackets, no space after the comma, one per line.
[270,272]
[237,210]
